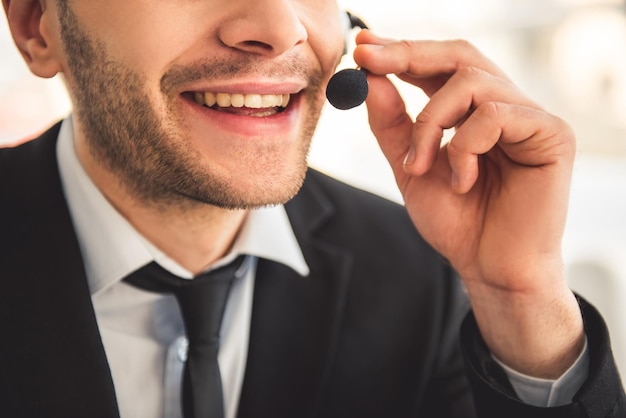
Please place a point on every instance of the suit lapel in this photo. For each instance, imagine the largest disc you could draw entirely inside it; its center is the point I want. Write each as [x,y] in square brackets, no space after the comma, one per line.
[296,319]
[59,367]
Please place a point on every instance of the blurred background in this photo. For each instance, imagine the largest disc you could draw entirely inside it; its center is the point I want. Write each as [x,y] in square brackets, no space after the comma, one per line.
[568,55]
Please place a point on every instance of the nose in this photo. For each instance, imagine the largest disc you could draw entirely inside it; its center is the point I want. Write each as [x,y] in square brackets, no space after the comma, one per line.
[264,27]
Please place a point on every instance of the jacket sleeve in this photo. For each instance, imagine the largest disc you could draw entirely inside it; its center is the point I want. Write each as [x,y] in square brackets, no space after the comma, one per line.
[601,396]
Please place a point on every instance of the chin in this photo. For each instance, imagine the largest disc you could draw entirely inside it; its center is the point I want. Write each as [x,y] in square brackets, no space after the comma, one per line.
[268,192]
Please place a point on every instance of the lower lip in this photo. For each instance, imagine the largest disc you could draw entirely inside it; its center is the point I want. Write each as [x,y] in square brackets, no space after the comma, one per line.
[247,126]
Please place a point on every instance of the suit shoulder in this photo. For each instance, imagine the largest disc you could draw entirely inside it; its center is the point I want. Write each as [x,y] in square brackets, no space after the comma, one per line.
[29,169]
[35,153]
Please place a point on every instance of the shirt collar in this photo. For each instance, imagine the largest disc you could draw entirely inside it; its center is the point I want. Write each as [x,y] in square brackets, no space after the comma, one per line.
[112,248]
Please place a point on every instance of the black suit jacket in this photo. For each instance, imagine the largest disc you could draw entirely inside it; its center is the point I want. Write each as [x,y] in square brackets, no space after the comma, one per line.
[373,331]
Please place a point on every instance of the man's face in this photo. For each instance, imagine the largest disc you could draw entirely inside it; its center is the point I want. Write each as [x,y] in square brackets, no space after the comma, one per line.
[144,75]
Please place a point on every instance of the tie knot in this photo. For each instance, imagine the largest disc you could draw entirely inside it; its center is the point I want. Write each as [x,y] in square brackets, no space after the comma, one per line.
[202,300]
[154,278]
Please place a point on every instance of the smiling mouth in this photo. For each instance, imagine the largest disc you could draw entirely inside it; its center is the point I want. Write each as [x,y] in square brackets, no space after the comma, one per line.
[259,105]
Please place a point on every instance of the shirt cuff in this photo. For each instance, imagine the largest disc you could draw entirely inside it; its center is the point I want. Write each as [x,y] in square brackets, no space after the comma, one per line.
[547,392]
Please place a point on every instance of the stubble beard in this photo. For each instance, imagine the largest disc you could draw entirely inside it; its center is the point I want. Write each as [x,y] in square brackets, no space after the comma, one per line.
[150,155]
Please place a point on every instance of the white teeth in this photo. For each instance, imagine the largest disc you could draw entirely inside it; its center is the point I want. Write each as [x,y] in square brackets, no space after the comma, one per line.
[223,99]
[237,100]
[252,101]
[270,101]
[209,99]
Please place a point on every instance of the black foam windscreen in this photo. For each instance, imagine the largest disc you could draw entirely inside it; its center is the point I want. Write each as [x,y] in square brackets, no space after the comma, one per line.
[347,89]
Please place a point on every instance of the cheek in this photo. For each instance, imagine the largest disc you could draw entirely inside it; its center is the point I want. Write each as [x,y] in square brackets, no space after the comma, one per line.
[144,35]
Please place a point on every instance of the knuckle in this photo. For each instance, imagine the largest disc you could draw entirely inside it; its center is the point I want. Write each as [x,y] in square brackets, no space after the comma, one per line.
[406,45]
[463,45]
[490,110]
[425,117]
[469,73]
[466,50]
[472,77]
[454,149]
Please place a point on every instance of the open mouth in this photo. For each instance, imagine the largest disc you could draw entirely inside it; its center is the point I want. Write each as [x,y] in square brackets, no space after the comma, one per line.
[259,105]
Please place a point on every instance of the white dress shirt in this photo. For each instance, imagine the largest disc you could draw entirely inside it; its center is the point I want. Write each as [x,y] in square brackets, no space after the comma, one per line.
[142,332]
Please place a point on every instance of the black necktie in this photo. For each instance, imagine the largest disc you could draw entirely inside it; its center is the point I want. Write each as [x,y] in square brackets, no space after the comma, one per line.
[202,302]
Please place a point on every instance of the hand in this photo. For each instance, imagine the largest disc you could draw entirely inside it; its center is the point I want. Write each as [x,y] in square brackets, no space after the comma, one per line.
[493,200]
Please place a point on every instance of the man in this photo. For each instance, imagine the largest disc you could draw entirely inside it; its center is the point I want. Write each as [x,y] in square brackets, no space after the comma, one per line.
[190,130]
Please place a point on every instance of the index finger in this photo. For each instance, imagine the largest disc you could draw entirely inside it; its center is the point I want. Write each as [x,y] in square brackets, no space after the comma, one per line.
[419,59]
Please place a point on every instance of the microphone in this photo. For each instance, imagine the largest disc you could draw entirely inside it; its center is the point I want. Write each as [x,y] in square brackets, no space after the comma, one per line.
[348,88]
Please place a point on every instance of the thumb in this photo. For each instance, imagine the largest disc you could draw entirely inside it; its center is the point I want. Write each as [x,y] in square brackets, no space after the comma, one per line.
[388,119]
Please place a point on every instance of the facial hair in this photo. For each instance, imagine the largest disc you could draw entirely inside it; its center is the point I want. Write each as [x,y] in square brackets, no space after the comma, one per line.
[149,154]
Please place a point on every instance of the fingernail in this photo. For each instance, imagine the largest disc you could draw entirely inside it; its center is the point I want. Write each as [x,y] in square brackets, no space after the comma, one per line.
[409,158]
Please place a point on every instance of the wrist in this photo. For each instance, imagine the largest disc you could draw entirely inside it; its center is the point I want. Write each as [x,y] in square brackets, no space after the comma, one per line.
[539,333]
